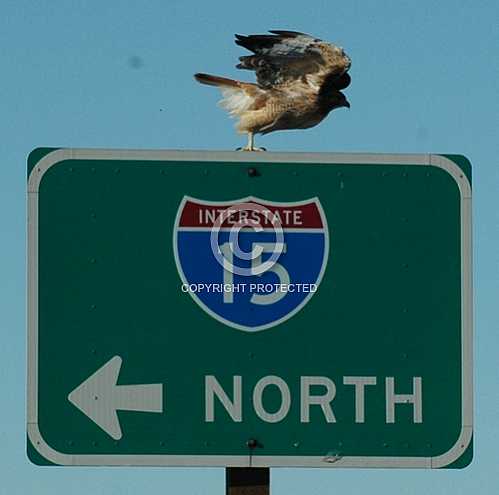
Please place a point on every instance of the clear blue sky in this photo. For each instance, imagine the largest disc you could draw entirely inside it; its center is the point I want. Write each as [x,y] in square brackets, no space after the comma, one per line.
[119,74]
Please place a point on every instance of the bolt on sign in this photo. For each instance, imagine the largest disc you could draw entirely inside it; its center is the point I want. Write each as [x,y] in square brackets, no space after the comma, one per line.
[249,309]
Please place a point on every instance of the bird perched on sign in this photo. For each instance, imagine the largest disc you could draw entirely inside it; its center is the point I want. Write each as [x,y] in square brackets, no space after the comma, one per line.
[299,81]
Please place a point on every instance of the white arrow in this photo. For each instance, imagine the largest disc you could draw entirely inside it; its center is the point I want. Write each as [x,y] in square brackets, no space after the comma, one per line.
[99,397]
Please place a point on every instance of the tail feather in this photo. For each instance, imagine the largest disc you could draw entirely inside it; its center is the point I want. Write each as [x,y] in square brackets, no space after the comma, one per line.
[237,96]
[216,80]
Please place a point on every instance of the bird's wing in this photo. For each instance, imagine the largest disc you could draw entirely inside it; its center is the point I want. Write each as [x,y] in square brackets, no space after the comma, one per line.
[284,57]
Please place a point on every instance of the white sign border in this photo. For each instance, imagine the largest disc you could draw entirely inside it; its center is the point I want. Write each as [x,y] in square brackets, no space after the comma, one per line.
[228,157]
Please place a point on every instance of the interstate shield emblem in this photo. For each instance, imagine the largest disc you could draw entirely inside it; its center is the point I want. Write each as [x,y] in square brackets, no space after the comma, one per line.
[250,263]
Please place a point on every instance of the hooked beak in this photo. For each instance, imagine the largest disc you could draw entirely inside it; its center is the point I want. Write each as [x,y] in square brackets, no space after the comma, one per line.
[347,104]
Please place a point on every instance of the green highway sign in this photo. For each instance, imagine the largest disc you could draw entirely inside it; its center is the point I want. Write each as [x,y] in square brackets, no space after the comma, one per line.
[249,309]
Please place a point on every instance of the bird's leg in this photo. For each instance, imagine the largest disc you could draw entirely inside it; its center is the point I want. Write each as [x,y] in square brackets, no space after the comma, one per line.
[251,144]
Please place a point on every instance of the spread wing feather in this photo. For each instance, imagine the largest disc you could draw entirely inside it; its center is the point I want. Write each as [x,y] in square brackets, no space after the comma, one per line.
[285,57]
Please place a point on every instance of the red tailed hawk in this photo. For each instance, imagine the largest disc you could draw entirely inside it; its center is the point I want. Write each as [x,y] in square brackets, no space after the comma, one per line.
[299,81]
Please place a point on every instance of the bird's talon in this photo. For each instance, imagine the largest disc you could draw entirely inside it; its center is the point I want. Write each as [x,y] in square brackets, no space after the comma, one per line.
[251,149]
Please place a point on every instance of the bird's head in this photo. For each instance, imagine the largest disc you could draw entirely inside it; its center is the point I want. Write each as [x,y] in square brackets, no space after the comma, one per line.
[342,101]
[333,99]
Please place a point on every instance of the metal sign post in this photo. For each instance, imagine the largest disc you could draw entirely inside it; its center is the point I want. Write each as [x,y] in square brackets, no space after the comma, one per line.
[184,303]
[247,481]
